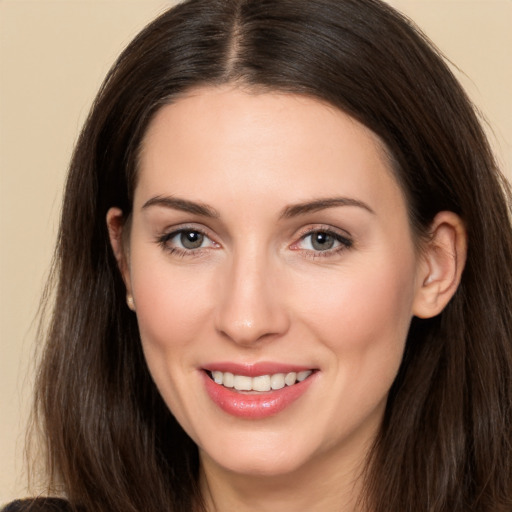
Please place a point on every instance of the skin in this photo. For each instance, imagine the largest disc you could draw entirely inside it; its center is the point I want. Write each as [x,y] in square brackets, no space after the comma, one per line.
[259,290]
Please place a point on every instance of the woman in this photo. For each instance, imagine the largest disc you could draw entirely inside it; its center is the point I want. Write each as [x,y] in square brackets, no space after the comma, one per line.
[282,276]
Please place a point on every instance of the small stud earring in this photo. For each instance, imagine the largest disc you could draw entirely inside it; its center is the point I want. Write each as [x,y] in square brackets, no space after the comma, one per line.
[129,301]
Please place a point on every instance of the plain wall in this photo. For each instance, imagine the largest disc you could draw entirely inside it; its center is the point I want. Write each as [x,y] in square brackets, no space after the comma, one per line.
[53,56]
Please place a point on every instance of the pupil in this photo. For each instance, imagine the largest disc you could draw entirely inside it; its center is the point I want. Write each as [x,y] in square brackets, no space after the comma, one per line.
[191,239]
[322,241]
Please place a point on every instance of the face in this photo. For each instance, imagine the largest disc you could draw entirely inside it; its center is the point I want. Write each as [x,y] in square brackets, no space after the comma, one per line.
[274,277]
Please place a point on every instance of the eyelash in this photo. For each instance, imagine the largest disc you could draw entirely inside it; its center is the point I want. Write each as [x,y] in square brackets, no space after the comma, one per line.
[343,241]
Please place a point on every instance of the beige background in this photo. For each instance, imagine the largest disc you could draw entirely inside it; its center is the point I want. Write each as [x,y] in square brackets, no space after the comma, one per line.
[53,56]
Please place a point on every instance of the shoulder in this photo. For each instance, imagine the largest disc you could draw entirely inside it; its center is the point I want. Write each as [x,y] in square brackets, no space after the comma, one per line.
[38,505]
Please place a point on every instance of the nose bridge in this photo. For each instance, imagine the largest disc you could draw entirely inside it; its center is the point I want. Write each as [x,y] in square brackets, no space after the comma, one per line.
[250,308]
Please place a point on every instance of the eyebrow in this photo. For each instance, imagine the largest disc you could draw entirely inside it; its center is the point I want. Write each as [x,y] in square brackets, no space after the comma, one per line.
[322,204]
[183,205]
[294,210]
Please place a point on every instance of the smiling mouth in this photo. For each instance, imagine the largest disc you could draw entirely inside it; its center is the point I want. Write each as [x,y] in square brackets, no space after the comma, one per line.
[259,383]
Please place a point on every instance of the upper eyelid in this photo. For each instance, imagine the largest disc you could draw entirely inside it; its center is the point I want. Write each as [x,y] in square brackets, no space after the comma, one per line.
[174,230]
[303,232]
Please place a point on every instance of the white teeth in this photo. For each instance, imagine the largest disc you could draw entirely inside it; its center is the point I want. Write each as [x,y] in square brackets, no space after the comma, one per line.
[243,383]
[261,382]
[277,381]
[229,380]
[303,375]
[290,378]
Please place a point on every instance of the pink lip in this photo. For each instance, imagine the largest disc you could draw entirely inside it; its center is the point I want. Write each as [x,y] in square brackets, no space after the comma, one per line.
[257,405]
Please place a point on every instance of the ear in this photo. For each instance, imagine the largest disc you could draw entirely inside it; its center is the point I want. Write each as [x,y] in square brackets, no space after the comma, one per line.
[116,224]
[443,260]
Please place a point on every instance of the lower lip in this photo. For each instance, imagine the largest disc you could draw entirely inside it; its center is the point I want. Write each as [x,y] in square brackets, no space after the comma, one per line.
[258,405]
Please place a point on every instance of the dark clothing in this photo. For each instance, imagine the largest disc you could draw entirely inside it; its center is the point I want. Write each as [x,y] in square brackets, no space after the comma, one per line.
[38,505]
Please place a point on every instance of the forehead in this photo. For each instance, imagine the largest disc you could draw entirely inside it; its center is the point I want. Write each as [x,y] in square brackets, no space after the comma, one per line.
[217,140]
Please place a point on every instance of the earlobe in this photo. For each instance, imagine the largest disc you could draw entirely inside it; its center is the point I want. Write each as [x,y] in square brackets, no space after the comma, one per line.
[129,301]
[443,260]
[116,225]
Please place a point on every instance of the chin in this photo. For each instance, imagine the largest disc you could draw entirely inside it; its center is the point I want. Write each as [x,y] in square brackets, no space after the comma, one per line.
[266,456]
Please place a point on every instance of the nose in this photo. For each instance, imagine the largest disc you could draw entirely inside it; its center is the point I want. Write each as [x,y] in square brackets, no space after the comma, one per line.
[251,307]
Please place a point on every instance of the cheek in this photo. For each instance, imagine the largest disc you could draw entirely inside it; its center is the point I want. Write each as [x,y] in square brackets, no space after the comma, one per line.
[361,319]
[171,307]
[362,312]
[170,303]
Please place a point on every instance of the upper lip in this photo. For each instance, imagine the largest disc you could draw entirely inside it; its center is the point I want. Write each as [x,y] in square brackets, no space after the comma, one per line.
[255,369]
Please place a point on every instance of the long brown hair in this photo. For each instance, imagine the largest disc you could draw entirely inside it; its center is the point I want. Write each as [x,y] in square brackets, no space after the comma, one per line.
[446,440]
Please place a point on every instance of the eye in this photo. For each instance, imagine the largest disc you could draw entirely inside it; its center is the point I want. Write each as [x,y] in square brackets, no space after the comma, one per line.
[185,240]
[323,241]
